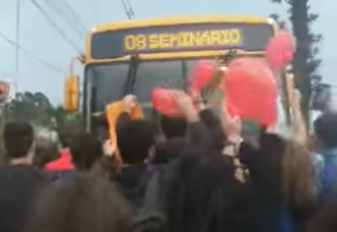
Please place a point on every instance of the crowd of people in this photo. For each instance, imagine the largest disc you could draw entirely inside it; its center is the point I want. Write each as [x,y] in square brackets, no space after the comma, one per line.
[196,173]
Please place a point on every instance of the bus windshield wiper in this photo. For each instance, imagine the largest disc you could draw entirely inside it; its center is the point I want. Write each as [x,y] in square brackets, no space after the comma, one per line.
[131,76]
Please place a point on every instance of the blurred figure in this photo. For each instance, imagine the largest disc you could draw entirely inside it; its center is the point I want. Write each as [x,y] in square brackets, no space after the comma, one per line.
[84,202]
[20,181]
[172,127]
[326,134]
[325,220]
[47,147]
[85,150]
[135,140]
[283,174]
[205,188]
[62,164]
[298,182]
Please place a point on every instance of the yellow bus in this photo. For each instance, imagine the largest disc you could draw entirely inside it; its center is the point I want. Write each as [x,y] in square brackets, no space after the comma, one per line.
[136,56]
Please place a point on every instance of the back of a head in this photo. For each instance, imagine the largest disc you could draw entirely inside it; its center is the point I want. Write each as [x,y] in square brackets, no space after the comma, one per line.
[84,202]
[205,190]
[135,140]
[326,130]
[168,151]
[85,150]
[47,146]
[18,138]
[173,127]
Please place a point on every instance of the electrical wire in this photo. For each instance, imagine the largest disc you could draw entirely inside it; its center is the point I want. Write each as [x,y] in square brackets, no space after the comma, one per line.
[55,26]
[74,14]
[128,9]
[71,21]
[27,53]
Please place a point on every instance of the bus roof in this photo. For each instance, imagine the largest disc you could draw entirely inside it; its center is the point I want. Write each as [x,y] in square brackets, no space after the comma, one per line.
[181,20]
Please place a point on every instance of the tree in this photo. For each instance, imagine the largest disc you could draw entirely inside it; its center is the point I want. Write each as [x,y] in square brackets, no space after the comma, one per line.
[36,109]
[66,123]
[305,63]
[29,107]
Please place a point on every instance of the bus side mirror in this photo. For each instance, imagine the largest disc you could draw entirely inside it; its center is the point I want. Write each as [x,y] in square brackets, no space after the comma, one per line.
[71,93]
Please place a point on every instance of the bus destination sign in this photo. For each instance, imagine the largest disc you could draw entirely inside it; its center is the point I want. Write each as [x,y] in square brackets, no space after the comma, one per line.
[181,38]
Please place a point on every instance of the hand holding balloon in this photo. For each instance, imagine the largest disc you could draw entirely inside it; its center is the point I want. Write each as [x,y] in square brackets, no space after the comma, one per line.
[185,106]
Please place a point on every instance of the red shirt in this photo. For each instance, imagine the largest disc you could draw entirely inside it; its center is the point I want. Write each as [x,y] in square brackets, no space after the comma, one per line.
[61,164]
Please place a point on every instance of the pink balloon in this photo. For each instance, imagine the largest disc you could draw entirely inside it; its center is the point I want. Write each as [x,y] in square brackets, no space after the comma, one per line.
[279,51]
[251,91]
[163,102]
[200,74]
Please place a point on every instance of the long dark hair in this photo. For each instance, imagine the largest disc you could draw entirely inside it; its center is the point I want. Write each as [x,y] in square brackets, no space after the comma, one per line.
[87,201]
[205,196]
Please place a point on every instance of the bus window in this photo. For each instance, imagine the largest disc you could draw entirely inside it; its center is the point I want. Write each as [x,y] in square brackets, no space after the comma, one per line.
[109,79]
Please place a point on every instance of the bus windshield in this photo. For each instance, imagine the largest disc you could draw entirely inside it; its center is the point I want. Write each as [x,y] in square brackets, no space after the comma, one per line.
[109,80]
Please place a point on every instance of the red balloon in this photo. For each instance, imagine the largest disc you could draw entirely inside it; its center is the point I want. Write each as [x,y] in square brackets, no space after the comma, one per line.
[251,91]
[163,102]
[200,74]
[279,50]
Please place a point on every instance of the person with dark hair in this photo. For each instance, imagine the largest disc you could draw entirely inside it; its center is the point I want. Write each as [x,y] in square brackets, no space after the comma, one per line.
[176,129]
[85,150]
[204,188]
[84,202]
[325,131]
[135,140]
[19,142]
[326,134]
[172,127]
[20,181]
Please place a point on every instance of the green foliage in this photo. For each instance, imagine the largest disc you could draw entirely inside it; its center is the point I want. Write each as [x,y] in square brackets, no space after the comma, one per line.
[36,109]
[66,123]
[305,64]
[28,107]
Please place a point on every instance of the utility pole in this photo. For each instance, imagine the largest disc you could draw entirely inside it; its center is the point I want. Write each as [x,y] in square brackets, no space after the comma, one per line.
[17,47]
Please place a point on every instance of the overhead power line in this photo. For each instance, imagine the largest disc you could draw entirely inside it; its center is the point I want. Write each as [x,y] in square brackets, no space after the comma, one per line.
[55,26]
[128,9]
[63,13]
[74,14]
[27,53]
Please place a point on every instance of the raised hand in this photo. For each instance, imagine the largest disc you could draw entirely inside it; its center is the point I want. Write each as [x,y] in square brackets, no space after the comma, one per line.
[129,102]
[109,148]
[197,100]
[185,105]
[232,126]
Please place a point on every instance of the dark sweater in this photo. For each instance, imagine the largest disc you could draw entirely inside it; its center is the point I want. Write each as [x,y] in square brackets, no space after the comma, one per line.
[19,187]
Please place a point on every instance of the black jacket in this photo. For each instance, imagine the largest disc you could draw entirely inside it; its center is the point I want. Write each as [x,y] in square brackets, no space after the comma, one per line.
[19,188]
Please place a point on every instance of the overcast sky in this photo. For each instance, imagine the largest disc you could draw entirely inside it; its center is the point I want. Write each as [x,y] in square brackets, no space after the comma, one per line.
[44,42]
